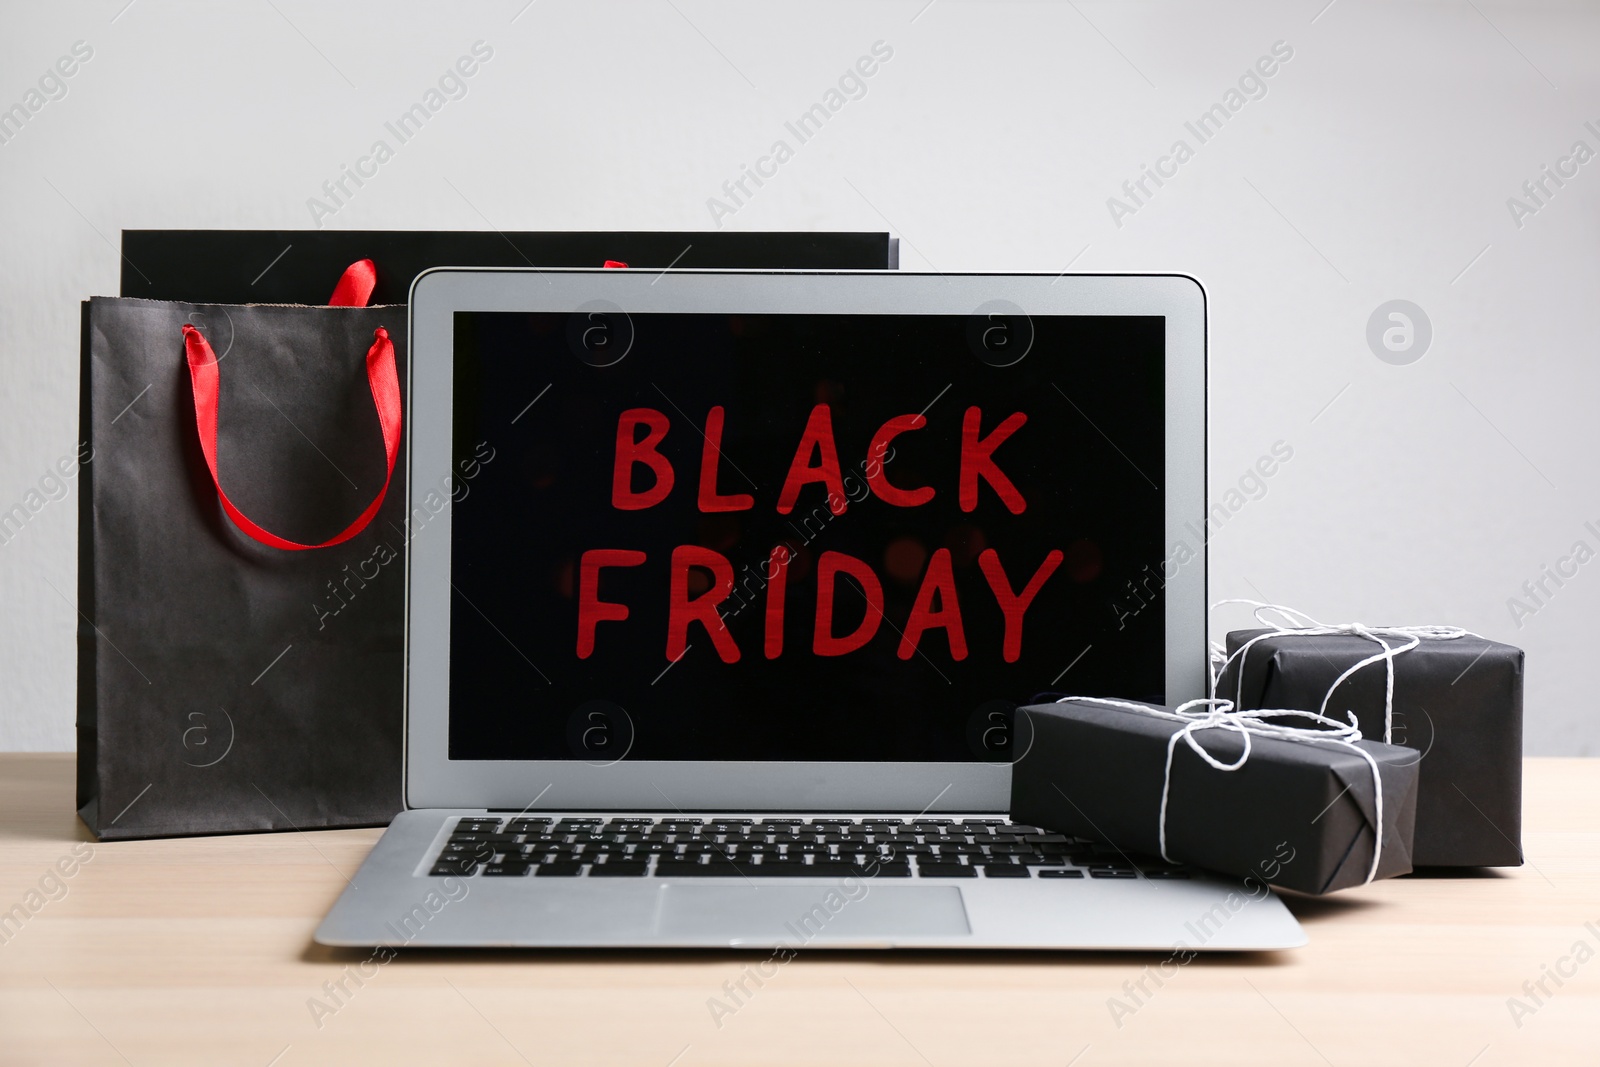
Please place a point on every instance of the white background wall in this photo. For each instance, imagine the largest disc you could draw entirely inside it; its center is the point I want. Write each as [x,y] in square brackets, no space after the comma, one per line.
[1377,166]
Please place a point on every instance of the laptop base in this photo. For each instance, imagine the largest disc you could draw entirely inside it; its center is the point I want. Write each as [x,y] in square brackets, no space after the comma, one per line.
[394,901]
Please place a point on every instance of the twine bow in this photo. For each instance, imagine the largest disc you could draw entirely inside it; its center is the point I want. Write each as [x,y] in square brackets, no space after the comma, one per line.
[1298,624]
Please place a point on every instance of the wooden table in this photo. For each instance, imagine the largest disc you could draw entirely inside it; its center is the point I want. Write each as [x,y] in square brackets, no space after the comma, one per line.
[198,951]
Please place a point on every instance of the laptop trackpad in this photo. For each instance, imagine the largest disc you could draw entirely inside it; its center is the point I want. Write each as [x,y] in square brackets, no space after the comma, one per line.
[800,915]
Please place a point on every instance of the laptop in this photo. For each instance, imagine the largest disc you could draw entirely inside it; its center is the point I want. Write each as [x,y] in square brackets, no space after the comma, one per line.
[723,588]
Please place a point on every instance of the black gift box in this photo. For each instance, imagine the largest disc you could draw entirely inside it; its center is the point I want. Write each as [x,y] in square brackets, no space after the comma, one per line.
[1458,701]
[1298,814]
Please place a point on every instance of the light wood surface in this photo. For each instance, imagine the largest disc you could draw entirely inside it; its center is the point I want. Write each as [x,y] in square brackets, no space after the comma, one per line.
[198,951]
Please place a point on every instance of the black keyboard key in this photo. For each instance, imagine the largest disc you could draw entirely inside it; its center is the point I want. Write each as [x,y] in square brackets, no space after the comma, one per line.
[512,870]
[679,868]
[1017,828]
[557,870]
[468,846]
[477,825]
[1045,839]
[1167,872]
[1002,848]
[528,826]
[446,866]
[716,867]
[767,868]
[995,870]
[477,853]
[1112,872]
[946,870]
[987,861]
[1058,873]
[616,869]
[591,851]
[485,848]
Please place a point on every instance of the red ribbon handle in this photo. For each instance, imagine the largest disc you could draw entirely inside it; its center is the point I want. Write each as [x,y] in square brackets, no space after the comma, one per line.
[354,289]
[355,285]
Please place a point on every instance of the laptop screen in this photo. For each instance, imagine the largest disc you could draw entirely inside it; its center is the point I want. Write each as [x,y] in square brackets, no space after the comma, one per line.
[798,537]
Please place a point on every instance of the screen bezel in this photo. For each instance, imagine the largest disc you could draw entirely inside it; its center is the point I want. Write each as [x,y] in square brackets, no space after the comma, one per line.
[434,780]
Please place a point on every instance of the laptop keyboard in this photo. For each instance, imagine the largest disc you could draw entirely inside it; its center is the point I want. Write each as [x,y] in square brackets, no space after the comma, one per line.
[680,847]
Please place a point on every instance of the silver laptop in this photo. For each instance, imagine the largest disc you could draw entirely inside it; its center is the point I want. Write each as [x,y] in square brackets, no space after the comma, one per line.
[724,587]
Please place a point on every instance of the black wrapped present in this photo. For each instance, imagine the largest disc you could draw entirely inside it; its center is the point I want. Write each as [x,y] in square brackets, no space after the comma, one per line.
[1453,696]
[1300,808]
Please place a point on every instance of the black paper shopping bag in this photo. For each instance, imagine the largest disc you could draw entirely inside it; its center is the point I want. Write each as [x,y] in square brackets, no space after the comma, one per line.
[241,574]
[297,266]
[240,643]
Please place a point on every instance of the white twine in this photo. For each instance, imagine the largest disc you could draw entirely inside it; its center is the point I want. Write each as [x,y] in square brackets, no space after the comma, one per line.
[1299,624]
[1219,715]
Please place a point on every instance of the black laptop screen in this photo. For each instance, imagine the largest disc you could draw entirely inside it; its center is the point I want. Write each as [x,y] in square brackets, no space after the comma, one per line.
[798,537]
